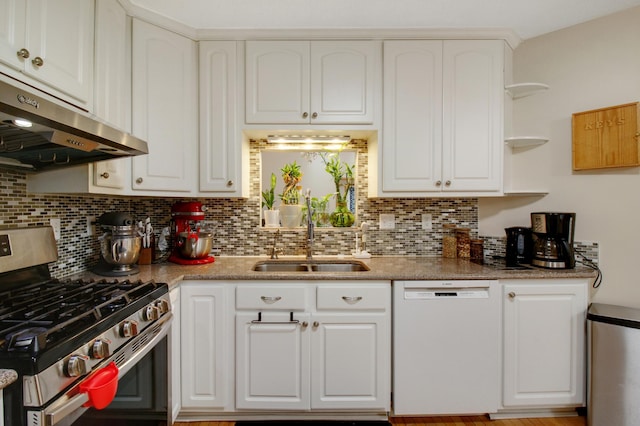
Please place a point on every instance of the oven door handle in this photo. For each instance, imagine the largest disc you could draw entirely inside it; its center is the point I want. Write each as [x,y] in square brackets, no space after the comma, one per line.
[69,407]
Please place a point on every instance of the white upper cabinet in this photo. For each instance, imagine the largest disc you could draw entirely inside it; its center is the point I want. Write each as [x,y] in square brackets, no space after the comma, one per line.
[51,42]
[220,146]
[412,129]
[443,112]
[112,86]
[472,133]
[165,109]
[317,82]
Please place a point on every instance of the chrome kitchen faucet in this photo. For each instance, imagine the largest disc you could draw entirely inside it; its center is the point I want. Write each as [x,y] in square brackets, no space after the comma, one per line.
[309,225]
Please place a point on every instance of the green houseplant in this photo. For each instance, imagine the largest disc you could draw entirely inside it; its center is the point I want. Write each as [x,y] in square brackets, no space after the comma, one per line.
[342,175]
[290,209]
[271,218]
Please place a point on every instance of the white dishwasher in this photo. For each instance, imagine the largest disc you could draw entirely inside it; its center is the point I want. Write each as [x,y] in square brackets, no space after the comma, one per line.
[446,347]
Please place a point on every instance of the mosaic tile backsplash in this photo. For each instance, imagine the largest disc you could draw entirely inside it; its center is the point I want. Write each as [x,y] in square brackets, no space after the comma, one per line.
[236,221]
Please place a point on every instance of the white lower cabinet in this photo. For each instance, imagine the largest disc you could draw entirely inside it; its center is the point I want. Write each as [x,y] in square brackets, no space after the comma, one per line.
[544,353]
[206,346]
[306,346]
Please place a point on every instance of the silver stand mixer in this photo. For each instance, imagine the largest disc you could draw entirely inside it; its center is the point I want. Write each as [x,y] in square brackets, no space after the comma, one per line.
[120,245]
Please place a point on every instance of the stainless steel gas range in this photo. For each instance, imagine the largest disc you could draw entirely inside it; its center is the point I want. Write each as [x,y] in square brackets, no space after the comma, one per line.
[70,341]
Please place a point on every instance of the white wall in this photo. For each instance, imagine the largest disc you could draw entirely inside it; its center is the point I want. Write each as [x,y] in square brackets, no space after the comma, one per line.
[588,66]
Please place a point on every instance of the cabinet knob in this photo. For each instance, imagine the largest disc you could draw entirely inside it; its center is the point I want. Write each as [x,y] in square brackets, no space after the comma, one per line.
[305,114]
[37,61]
[105,175]
[139,180]
[512,295]
[23,53]
[438,182]
[316,324]
[447,183]
[305,324]
[314,115]
[229,183]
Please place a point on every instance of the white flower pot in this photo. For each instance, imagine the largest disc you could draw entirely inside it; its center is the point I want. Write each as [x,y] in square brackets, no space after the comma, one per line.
[271,218]
[290,215]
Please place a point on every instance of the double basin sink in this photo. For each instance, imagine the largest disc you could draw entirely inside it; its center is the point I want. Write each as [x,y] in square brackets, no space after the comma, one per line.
[310,266]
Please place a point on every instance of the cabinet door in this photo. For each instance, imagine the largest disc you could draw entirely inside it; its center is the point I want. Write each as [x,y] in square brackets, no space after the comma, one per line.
[164,111]
[272,361]
[219,146]
[342,81]
[412,130]
[350,362]
[473,95]
[60,32]
[277,82]
[112,86]
[203,358]
[544,343]
[12,32]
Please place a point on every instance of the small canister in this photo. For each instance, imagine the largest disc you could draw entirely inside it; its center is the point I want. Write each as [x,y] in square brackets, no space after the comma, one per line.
[463,242]
[477,251]
[449,241]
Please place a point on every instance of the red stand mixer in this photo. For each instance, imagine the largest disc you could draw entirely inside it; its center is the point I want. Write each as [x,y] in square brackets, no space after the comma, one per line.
[191,244]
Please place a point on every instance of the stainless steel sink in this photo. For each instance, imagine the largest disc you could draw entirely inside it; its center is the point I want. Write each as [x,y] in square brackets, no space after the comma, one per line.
[310,266]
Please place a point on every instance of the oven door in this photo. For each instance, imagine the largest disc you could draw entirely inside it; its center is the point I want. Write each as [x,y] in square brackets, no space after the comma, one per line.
[73,408]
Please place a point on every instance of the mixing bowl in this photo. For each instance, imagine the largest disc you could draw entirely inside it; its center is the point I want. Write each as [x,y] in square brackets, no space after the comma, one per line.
[195,245]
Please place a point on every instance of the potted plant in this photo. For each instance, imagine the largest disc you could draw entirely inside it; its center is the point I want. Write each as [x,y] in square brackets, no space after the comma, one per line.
[271,219]
[342,175]
[319,205]
[290,209]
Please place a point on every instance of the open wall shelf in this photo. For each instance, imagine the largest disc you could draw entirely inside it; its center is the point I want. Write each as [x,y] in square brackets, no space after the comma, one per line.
[520,90]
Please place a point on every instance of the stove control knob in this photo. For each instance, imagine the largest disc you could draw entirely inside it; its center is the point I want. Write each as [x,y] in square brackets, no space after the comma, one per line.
[128,328]
[150,313]
[76,366]
[100,349]
[163,305]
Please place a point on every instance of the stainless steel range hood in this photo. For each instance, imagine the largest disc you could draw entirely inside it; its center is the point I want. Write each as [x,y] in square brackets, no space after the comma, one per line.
[59,137]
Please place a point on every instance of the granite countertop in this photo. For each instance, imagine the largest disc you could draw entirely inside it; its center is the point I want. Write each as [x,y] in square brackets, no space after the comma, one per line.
[7,377]
[381,268]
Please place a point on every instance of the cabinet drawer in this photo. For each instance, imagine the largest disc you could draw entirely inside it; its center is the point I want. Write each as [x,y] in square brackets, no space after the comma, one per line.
[271,297]
[345,297]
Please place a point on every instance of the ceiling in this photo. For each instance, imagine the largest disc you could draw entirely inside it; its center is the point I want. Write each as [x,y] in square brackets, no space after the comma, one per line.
[527,18]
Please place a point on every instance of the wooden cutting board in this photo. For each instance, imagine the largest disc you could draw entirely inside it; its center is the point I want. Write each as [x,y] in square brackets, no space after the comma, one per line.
[606,137]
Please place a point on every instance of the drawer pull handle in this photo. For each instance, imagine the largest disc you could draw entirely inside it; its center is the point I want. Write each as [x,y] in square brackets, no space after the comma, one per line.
[270,299]
[352,300]
[291,320]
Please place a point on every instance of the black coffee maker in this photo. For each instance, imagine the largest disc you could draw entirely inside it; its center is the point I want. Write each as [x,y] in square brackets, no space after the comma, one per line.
[553,240]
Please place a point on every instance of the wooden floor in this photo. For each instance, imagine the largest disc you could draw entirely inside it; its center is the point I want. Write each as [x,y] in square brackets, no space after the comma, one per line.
[452,421]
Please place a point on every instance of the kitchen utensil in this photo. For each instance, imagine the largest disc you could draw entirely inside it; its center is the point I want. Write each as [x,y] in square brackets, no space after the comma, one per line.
[195,245]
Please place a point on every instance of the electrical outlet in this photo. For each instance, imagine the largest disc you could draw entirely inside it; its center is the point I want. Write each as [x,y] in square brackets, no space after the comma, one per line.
[427,221]
[91,220]
[55,224]
[387,221]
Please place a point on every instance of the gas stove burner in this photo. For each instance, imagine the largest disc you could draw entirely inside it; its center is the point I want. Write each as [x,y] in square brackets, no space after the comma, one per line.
[35,337]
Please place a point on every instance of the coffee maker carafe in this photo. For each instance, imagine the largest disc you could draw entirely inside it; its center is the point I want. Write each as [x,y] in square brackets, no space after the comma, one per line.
[553,240]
